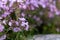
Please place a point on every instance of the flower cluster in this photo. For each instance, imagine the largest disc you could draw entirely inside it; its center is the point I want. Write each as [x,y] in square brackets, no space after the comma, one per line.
[9,7]
[20,24]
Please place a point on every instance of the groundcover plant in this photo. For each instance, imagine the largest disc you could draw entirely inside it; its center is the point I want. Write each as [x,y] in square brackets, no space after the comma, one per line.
[22,18]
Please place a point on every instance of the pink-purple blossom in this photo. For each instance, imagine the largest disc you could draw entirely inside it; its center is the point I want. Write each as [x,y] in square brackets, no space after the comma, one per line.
[17,29]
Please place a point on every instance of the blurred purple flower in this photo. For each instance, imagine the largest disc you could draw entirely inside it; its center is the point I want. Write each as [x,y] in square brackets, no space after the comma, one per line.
[22,19]
[23,14]
[3,37]
[5,14]
[17,23]
[16,29]
[51,15]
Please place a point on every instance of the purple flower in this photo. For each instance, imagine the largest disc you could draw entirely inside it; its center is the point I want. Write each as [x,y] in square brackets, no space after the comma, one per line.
[51,15]
[22,19]
[3,37]
[57,12]
[16,29]
[23,24]
[32,8]
[17,23]
[23,14]
[34,3]
[27,27]
[5,14]
[34,17]
[24,6]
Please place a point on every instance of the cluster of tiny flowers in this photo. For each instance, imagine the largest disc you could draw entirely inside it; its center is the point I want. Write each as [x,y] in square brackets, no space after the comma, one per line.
[19,25]
[16,26]
[26,4]
[7,7]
